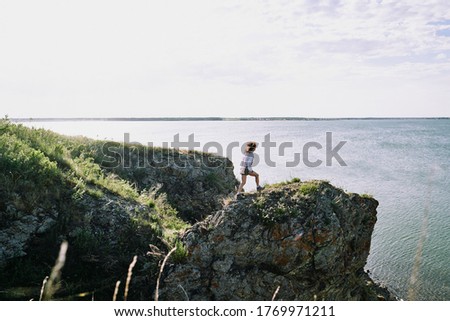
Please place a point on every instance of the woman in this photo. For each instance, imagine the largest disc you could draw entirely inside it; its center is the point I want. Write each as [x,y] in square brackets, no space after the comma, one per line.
[246,167]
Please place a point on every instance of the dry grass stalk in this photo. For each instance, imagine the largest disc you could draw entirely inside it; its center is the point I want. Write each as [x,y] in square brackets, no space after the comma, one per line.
[130,273]
[116,291]
[227,201]
[52,284]
[154,251]
[43,287]
[275,293]
[184,291]
[160,272]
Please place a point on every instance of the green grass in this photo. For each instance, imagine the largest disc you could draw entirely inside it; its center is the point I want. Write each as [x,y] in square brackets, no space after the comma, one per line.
[284,183]
[309,188]
[26,174]
[180,254]
[38,157]
[365,195]
[271,213]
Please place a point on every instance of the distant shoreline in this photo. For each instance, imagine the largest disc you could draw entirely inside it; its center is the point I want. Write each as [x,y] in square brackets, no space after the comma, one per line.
[58,119]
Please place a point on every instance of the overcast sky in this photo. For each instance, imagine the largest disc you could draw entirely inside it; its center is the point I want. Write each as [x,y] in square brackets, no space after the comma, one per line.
[310,58]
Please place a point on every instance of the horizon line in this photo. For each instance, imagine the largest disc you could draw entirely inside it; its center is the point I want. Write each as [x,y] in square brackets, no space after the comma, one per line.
[262,118]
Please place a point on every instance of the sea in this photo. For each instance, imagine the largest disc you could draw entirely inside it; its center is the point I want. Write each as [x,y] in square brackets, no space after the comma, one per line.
[403,163]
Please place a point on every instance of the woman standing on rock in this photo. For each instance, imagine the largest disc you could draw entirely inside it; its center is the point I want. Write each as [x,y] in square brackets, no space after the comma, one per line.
[246,168]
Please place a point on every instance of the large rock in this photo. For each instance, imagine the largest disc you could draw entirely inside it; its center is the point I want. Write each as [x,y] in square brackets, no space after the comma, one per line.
[195,183]
[309,239]
[16,234]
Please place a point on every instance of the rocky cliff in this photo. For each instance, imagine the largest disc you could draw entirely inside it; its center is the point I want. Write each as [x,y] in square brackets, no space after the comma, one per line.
[110,201]
[310,240]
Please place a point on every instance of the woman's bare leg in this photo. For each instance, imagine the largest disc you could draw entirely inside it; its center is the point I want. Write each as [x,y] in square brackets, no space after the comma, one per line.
[243,181]
[256,175]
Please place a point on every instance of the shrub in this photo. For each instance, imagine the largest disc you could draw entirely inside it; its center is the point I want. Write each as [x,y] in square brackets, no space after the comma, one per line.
[26,172]
[281,184]
[366,195]
[308,188]
[180,254]
[271,213]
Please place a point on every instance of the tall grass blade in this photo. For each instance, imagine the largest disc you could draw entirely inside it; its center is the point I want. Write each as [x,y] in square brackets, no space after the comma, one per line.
[52,284]
[130,273]
[161,271]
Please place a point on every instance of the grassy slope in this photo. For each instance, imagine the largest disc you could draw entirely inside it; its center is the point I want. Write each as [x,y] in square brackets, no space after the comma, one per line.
[38,165]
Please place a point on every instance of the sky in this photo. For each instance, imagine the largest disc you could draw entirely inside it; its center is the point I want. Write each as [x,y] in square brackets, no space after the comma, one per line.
[310,58]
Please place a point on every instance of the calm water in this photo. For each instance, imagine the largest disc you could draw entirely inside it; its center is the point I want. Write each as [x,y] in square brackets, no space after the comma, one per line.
[403,163]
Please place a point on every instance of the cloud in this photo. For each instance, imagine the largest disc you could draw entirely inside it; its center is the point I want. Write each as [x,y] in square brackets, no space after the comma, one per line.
[265,52]
[326,35]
